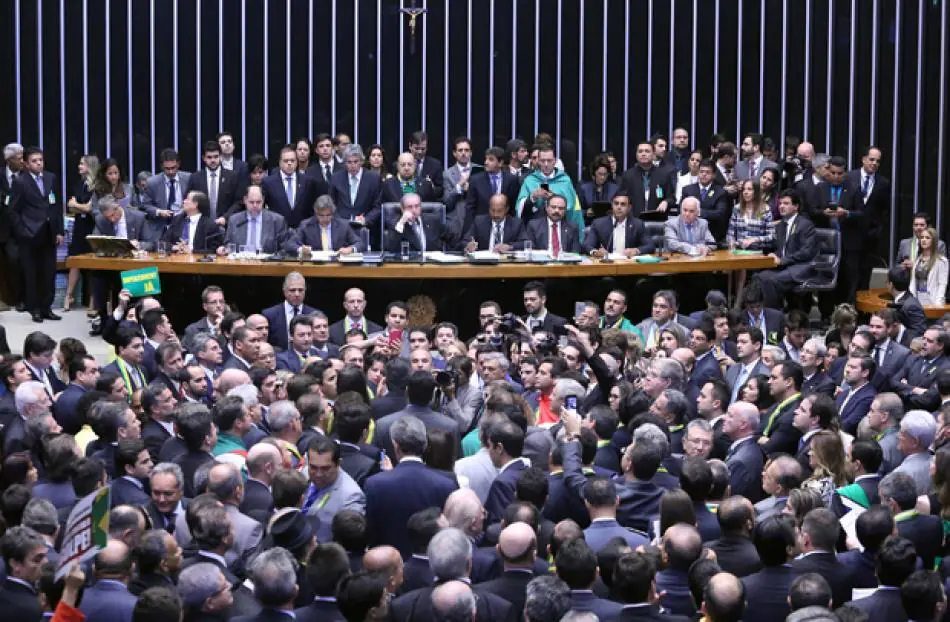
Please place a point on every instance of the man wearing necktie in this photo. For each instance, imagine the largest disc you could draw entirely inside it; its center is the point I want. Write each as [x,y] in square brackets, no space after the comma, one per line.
[871,195]
[845,212]
[455,179]
[412,228]
[324,232]
[37,216]
[794,246]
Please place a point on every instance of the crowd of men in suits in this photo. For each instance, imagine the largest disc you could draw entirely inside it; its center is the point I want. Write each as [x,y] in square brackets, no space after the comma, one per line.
[725,464]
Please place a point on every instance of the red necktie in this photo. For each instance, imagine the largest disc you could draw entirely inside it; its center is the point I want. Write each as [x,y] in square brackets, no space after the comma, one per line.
[555,240]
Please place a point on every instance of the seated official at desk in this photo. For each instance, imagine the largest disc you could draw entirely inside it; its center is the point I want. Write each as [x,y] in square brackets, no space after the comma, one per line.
[192,229]
[256,228]
[794,248]
[618,233]
[422,234]
[324,232]
[495,230]
[553,234]
[601,188]
[688,233]
[114,221]
[407,181]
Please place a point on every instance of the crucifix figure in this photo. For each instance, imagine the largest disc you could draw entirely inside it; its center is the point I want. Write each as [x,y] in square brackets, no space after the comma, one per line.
[413,12]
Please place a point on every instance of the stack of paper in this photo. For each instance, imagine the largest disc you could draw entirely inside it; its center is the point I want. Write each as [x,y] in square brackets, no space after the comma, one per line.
[484,256]
[569,258]
[351,258]
[440,257]
[322,256]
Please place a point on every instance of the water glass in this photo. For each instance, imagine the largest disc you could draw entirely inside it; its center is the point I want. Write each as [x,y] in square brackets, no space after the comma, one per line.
[232,249]
[527,250]
[404,247]
[242,252]
[162,249]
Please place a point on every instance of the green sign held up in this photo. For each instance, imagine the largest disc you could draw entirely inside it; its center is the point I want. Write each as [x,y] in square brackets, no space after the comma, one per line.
[143,282]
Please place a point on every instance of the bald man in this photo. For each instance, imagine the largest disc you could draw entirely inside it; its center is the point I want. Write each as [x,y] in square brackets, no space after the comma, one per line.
[407,180]
[495,230]
[109,598]
[225,482]
[387,560]
[516,546]
[681,546]
[230,378]
[263,462]
[463,510]
[354,303]
[745,458]
[451,601]
[259,323]
[723,598]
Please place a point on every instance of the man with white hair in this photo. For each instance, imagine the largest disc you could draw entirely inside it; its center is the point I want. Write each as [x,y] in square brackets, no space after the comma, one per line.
[564,389]
[688,233]
[284,422]
[280,315]
[810,357]
[251,398]
[917,431]
[13,157]
[31,399]
[205,592]
[663,374]
[356,192]
[745,459]
[454,600]
[464,510]
[450,557]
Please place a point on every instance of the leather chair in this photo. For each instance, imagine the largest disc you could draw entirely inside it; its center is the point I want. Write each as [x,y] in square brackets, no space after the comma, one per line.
[657,233]
[825,265]
[392,211]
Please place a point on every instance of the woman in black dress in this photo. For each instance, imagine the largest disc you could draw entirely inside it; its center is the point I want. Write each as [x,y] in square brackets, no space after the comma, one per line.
[80,206]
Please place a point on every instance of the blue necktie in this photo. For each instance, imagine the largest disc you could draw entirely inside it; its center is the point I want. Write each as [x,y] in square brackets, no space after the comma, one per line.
[703,193]
[496,184]
[689,233]
[39,184]
[290,190]
[866,186]
[252,235]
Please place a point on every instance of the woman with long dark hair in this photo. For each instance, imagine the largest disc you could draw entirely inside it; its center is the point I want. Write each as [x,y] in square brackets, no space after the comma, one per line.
[80,205]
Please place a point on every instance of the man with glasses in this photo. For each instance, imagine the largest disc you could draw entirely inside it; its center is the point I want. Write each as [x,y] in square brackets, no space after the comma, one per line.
[212,302]
[698,440]
[331,489]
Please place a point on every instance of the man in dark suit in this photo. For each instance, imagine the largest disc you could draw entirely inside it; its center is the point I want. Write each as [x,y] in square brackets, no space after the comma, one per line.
[896,560]
[245,347]
[870,195]
[537,316]
[651,188]
[505,445]
[109,597]
[327,566]
[910,313]
[795,247]
[13,159]
[37,215]
[24,566]
[778,435]
[114,221]
[916,382]
[192,229]
[819,532]
[811,357]
[396,372]
[164,193]
[264,461]
[517,548]
[356,193]
[224,188]
[254,227]
[132,465]
[326,163]
[619,233]
[419,391]
[889,355]
[229,161]
[923,531]
[300,349]
[324,232]
[554,234]
[421,233]
[408,180]
[496,230]
[485,185]
[854,403]
[734,550]
[83,374]
[576,565]
[715,204]
[425,166]
[706,368]
[354,302]
[745,457]
[633,581]
[767,590]
[393,496]
[279,316]
[289,192]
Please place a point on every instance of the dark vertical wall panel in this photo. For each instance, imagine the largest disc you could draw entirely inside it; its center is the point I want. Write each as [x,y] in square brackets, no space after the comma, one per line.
[602,74]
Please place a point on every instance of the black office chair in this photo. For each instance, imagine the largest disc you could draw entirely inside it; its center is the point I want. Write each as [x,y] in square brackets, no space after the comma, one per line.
[657,233]
[825,265]
[391,212]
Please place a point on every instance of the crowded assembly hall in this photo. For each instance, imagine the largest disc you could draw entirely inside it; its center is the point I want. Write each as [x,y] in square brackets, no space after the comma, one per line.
[362,389]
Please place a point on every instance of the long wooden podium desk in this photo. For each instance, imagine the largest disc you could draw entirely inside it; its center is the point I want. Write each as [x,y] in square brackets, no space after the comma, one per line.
[719,261]
[872,300]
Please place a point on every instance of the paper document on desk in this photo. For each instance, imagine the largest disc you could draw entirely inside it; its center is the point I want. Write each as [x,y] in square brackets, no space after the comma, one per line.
[440,257]
[322,256]
[484,256]
[569,258]
[616,256]
[351,258]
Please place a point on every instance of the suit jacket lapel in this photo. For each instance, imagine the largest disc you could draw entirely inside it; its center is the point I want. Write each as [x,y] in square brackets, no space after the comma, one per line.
[299,179]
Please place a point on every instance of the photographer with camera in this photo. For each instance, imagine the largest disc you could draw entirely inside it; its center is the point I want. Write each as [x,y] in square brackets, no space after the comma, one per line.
[459,400]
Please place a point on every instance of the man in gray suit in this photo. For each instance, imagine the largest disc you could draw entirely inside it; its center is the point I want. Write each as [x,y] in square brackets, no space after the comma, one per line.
[688,233]
[255,227]
[115,221]
[753,162]
[331,489]
[455,179]
[225,482]
[324,231]
[749,354]
[164,193]
[917,431]
[909,248]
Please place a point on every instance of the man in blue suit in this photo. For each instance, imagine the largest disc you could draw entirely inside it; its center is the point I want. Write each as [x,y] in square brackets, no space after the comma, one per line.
[393,496]
[706,368]
[418,390]
[619,233]
[300,353]
[767,590]
[600,497]
[109,597]
[854,404]
[495,230]
[745,459]
[289,192]
[357,193]
[83,374]
[324,231]
[132,466]
[896,560]
[485,185]
[505,445]
[279,316]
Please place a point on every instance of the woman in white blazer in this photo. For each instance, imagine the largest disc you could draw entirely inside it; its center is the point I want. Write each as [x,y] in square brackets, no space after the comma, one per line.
[928,276]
